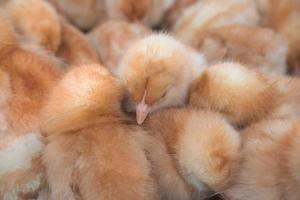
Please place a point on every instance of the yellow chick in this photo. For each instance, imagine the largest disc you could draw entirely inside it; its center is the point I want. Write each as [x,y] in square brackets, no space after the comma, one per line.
[75,49]
[158,71]
[35,21]
[194,154]
[93,151]
[112,38]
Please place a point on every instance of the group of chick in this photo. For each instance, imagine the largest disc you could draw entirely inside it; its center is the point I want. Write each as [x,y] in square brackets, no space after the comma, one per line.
[149,99]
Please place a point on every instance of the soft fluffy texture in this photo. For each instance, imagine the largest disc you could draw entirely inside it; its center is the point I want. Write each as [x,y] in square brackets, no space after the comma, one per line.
[83,13]
[27,75]
[149,12]
[36,21]
[242,95]
[75,49]
[283,16]
[197,19]
[270,162]
[158,71]
[93,150]
[254,47]
[112,38]
[195,152]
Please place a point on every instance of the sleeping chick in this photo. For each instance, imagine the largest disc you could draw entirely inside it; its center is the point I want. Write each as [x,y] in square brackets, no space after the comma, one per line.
[149,12]
[194,152]
[158,71]
[75,48]
[112,38]
[93,151]
[283,16]
[270,165]
[200,17]
[253,46]
[82,13]
[36,21]
[242,95]
[28,75]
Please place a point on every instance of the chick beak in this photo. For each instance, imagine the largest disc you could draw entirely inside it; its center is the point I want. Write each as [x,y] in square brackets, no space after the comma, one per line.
[142,110]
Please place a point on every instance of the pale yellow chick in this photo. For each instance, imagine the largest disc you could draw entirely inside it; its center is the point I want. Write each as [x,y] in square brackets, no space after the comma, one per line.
[157,71]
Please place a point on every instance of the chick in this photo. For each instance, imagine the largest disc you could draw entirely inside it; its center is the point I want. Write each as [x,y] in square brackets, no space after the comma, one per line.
[149,12]
[75,48]
[242,95]
[253,46]
[36,21]
[93,151]
[175,12]
[112,38]
[158,71]
[83,13]
[200,17]
[195,152]
[283,16]
[270,162]
[26,78]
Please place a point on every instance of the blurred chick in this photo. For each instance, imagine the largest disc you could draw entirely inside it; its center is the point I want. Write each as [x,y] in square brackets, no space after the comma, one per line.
[149,12]
[195,152]
[83,13]
[93,151]
[270,167]
[158,71]
[253,46]
[35,21]
[242,95]
[27,75]
[283,16]
[112,38]
[175,12]
[204,15]
[75,48]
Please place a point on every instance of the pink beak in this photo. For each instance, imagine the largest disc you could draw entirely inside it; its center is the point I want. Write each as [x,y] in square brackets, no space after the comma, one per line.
[142,110]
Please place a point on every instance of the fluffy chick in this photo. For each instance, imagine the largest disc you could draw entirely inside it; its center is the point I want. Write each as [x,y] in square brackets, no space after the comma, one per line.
[253,46]
[37,21]
[83,13]
[283,16]
[149,12]
[93,151]
[242,95]
[75,49]
[26,78]
[194,152]
[112,38]
[200,17]
[158,71]
[270,162]
[175,12]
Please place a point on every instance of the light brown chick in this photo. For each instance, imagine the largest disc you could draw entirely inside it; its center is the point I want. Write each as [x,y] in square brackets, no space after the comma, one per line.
[270,165]
[112,38]
[158,71]
[242,95]
[93,151]
[35,21]
[199,18]
[149,12]
[27,75]
[75,49]
[195,152]
[83,13]
[254,47]
[175,12]
[283,16]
